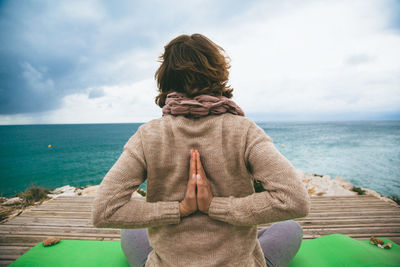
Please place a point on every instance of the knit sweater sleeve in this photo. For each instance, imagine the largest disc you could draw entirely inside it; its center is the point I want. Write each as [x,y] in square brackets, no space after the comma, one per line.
[113,206]
[285,197]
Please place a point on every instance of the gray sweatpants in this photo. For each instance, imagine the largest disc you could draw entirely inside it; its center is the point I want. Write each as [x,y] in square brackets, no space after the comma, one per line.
[279,242]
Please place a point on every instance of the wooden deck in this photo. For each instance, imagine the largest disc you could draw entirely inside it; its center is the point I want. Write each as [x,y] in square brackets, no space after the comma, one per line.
[69,218]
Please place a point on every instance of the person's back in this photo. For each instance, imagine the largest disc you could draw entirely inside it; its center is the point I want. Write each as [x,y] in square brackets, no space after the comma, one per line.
[234,151]
[221,139]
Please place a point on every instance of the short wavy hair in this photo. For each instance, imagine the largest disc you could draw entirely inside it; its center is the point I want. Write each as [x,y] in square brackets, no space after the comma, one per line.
[193,65]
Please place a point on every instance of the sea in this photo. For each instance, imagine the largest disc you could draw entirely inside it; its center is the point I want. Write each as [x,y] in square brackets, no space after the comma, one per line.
[366,153]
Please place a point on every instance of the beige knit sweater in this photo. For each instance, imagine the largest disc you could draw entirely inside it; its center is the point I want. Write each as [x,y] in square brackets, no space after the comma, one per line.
[234,150]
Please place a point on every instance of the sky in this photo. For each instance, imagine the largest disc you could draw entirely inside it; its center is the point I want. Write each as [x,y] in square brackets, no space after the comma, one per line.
[94,61]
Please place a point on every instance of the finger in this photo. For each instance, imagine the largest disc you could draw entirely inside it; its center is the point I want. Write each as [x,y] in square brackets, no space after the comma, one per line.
[199,166]
[201,191]
[191,188]
[192,164]
[198,175]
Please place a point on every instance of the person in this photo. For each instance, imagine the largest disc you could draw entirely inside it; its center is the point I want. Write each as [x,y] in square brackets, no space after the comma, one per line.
[200,160]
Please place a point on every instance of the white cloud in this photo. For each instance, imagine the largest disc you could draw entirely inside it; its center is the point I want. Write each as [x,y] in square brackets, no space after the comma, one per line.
[122,103]
[296,61]
[85,11]
[118,104]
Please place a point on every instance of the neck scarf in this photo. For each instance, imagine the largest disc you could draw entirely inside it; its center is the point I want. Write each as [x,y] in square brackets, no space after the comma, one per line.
[202,105]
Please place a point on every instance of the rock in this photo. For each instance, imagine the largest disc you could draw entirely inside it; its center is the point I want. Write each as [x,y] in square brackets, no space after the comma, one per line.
[319,175]
[336,189]
[371,192]
[90,191]
[66,190]
[375,241]
[63,189]
[387,246]
[326,178]
[12,201]
[345,184]
[51,241]
[137,195]
[323,185]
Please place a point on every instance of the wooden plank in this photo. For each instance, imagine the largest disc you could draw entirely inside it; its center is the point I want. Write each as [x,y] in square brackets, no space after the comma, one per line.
[13,249]
[305,221]
[32,240]
[9,229]
[355,200]
[361,230]
[348,201]
[12,229]
[4,263]
[391,236]
[27,219]
[352,213]
[82,215]
[313,206]
[354,225]
[86,214]
[313,198]
[366,221]
[49,221]
[66,235]
[368,216]
[10,255]
[313,209]
[69,231]
[343,197]
[325,209]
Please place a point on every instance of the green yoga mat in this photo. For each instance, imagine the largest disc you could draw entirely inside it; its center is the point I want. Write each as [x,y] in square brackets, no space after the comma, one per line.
[331,250]
[342,250]
[75,253]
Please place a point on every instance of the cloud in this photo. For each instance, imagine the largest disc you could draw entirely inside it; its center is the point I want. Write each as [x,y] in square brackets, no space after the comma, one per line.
[118,104]
[296,62]
[96,92]
[358,59]
[291,59]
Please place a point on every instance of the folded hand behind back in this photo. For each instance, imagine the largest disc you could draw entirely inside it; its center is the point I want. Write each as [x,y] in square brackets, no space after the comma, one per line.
[198,192]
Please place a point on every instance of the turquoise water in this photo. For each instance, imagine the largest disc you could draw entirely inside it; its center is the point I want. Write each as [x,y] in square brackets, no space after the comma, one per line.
[366,153]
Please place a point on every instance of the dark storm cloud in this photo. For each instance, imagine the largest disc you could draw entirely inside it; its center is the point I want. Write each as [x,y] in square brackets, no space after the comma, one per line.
[50,49]
[47,53]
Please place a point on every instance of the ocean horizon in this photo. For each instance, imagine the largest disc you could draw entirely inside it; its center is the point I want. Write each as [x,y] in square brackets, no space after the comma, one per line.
[365,153]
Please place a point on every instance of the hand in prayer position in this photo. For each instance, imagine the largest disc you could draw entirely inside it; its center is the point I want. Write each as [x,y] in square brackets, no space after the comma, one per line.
[198,193]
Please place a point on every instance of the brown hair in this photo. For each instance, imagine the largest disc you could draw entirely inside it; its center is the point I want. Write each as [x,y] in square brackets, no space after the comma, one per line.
[192,65]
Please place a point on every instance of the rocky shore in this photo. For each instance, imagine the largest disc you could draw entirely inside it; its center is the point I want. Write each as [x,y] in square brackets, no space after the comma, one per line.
[316,184]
